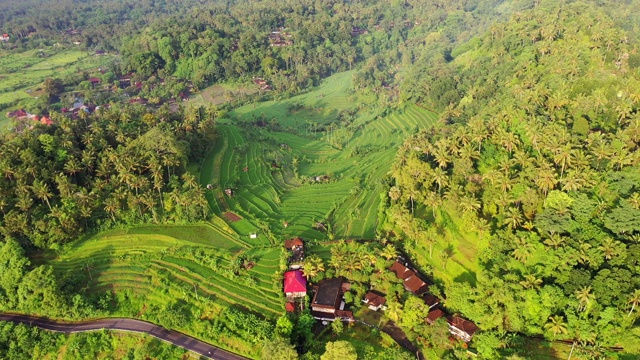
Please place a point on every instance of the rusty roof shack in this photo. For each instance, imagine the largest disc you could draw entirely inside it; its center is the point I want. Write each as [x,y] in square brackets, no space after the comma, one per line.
[461,328]
[327,301]
[375,301]
[296,246]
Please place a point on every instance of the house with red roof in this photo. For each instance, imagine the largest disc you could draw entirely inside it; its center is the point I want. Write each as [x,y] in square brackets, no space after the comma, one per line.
[296,246]
[45,120]
[375,301]
[461,328]
[295,285]
[434,315]
[4,37]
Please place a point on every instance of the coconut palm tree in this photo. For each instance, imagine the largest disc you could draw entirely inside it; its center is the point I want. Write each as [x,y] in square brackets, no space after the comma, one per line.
[585,298]
[531,282]
[556,325]
[312,266]
[634,300]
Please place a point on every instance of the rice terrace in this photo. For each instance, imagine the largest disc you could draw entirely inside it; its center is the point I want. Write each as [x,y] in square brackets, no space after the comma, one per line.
[320,180]
[272,174]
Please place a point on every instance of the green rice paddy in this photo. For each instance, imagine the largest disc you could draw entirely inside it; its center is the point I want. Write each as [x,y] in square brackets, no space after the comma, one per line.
[158,264]
[273,173]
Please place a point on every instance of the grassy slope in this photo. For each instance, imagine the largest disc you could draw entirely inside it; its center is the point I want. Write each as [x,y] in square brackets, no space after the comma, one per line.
[265,195]
[144,261]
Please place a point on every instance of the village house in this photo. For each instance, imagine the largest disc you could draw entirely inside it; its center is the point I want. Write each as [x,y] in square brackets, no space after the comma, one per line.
[411,279]
[295,285]
[434,315]
[296,246]
[45,120]
[327,303]
[4,37]
[431,300]
[262,84]
[94,81]
[228,191]
[375,301]
[461,328]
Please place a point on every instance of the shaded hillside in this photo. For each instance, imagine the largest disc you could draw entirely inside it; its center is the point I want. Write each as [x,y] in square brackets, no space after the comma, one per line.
[538,149]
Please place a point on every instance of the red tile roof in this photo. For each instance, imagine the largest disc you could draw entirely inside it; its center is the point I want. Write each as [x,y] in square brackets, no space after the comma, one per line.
[375,299]
[416,285]
[431,300]
[294,282]
[289,307]
[401,271]
[289,244]
[434,315]
[46,121]
[462,324]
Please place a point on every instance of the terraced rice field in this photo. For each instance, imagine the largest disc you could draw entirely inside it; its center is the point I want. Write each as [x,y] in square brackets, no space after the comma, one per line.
[266,197]
[156,263]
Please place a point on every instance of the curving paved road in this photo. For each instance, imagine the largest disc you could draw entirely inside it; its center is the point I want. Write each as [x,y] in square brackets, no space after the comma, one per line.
[122,324]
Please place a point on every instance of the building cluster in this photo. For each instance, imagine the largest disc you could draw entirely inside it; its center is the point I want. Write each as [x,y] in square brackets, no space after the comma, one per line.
[280,38]
[415,283]
[328,302]
[21,114]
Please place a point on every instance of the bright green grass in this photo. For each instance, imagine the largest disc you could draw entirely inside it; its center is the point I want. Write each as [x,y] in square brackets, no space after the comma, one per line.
[320,105]
[466,243]
[219,94]
[205,234]
[142,260]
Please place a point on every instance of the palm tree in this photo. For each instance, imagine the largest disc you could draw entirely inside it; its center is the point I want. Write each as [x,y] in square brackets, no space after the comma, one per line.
[389,252]
[634,300]
[41,190]
[555,240]
[513,218]
[609,247]
[585,297]
[531,282]
[312,266]
[394,310]
[556,325]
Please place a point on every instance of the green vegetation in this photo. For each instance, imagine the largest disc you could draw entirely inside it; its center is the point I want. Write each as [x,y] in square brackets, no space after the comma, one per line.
[23,73]
[528,193]
[23,342]
[322,179]
[520,199]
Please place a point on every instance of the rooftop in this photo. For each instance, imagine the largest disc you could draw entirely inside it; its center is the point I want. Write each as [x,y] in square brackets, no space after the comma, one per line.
[462,324]
[328,292]
[294,282]
[434,315]
[401,271]
[416,285]
[374,299]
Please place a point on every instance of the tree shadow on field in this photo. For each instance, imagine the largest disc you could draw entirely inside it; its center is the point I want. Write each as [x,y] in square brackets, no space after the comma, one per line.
[81,274]
[468,277]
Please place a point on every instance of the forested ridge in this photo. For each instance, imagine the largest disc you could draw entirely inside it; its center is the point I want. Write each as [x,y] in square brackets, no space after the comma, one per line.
[118,165]
[538,151]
